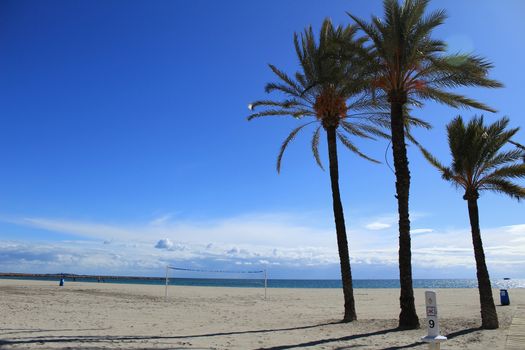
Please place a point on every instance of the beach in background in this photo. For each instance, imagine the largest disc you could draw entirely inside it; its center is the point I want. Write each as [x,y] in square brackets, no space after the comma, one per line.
[40,314]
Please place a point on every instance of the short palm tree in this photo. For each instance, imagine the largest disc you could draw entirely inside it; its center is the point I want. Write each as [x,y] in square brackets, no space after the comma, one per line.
[409,67]
[479,164]
[330,77]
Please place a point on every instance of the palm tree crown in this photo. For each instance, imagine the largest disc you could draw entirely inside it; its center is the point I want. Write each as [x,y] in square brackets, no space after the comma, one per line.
[410,66]
[330,75]
[478,163]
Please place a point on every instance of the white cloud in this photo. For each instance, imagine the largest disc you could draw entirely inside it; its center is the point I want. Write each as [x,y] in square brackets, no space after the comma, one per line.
[421,230]
[233,251]
[280,240]
[374,226]
[161,220]
[164,243]
[80,228]
[515,229]
[278,229]
[76,257]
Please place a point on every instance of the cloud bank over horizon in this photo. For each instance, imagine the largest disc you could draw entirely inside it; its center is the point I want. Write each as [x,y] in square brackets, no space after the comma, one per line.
[291,245]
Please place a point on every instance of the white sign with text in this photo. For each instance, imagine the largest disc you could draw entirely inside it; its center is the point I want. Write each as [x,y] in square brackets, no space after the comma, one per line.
[433,337]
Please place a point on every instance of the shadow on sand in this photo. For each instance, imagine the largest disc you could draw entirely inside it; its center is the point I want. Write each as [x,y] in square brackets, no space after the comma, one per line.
[365,335]
[43,340]
[4,343]
[449,336]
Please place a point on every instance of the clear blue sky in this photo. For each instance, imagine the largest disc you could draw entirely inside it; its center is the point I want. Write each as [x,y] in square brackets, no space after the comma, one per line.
[124,144]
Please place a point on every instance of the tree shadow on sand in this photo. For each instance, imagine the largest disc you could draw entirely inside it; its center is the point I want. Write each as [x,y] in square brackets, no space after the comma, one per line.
[331,340]
[449,336]
[365,335]
[42,340]
[4,343]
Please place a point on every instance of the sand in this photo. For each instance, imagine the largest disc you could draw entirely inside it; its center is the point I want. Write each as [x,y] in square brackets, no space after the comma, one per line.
[42,315]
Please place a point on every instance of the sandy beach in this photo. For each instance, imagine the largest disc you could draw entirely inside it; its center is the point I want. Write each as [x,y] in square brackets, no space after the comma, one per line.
[41,315]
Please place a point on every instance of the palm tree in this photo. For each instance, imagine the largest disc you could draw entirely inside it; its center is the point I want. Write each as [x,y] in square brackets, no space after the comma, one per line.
[409,67]
[478,164]
[330,75]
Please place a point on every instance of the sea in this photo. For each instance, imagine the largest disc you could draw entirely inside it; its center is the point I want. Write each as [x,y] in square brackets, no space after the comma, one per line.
[289,283]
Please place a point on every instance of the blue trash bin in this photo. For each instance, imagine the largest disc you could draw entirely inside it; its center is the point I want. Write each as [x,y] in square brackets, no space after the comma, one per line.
[504,297]
[61,284]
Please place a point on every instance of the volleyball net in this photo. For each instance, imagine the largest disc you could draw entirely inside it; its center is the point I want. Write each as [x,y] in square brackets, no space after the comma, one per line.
[205,277]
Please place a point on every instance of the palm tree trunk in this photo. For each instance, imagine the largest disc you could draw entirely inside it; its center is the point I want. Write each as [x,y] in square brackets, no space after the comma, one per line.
[408,317]
[489,317]
[342,243]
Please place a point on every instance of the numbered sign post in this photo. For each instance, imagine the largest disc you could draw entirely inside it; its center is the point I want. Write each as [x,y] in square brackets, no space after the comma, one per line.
[433,337]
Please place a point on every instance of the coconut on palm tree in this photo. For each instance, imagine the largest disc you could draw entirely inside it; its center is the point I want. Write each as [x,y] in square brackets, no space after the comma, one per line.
[409,66]
[479,164]
[328,86]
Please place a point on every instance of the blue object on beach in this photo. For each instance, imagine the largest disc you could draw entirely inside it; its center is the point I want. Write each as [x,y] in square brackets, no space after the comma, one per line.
[504,297]
[61,284]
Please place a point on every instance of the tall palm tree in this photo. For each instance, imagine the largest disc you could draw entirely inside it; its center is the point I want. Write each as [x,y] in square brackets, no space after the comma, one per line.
[410,67]
[478,164]
[327,87]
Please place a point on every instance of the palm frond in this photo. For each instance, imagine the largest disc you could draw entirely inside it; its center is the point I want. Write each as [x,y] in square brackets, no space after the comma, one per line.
[273,112]
[417,122]
[433,160]
[509,171]
[290,103]
[356,130]
[348,144]
[286,89]
[500,159]
[285,143]
[315,147]
[363,130]
[410,137]
[451,99]
[459,70]
[284,77]
[506,187]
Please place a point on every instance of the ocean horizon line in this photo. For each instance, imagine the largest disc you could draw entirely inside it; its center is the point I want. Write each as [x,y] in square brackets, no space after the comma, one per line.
[271,282]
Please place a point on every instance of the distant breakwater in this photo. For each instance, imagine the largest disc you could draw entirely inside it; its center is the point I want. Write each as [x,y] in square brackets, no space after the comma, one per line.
[71,276]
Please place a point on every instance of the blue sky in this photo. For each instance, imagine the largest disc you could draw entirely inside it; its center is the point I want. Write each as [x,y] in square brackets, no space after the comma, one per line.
[123,123]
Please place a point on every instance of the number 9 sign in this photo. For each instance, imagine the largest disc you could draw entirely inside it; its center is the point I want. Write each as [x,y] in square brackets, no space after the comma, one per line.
[432,313]
[433,337]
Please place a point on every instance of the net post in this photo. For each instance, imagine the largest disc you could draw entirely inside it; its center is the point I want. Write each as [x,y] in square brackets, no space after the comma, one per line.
[166,289]
[265,283]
